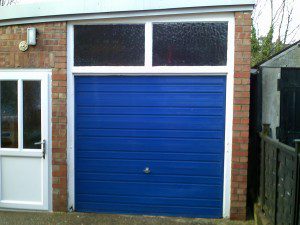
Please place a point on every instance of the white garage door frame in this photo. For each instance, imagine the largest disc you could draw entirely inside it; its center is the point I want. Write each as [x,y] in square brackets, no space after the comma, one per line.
[127,18]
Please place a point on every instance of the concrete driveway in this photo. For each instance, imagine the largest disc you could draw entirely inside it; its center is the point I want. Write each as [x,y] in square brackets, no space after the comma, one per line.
[30,218]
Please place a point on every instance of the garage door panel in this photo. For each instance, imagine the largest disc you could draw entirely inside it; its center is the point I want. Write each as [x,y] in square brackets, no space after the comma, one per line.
[150,122]
[172,124]
[149,88]
[148,189]
[206,212]
[163,111]
[156,80]
[155,145]
[129,199]
[150,133]
[135,177]
[157,167]
[150,99]
[204,157]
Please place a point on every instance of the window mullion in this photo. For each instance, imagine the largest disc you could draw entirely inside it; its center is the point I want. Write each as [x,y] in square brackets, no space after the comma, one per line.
[148,44]
[20,114]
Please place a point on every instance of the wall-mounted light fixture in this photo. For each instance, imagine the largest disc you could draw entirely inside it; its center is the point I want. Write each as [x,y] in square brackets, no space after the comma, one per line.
[31,36]
[31,39]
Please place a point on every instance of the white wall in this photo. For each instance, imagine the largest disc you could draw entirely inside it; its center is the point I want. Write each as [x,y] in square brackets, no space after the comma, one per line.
[270,74]
[270,98]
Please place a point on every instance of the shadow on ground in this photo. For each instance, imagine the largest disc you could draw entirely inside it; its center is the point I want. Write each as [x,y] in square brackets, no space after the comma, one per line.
[30,218]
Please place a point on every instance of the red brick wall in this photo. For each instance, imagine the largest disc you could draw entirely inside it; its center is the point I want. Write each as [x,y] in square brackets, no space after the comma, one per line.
[241,115]
[50,52]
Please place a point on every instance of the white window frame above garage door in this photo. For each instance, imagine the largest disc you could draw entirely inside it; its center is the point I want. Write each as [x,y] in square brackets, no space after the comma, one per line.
[148,69]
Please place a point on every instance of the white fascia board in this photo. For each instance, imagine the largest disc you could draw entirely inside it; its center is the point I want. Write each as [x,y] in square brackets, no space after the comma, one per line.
[129,14]
[80,7]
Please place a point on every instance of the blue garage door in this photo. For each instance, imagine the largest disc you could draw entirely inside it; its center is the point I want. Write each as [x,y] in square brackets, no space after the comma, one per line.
[150,145]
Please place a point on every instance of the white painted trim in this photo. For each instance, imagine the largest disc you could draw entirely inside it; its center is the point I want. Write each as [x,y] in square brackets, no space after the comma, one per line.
[49,144]
[20,202]
[148,45]
[44,76]
[69,9]
[229,119]
[45,85]
[148,68]
[19,205]
[70,118]
[28,153]
[27,70]
[98,71]
[20,114]
[26,75]
[138,14]
[181,16]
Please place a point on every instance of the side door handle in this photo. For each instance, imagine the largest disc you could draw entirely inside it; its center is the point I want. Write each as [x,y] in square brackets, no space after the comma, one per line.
[43,144]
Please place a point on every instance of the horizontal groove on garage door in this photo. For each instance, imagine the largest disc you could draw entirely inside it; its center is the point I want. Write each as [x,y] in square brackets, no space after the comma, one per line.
[173,125]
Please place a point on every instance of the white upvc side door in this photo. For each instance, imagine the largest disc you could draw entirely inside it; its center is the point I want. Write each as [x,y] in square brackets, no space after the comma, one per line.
[24,127]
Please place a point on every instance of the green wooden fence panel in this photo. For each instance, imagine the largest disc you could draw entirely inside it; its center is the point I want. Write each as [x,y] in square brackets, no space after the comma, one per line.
[280,176]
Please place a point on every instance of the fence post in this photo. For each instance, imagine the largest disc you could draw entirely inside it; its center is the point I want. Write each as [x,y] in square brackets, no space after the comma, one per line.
[276,183]
[266,131]
[297,198]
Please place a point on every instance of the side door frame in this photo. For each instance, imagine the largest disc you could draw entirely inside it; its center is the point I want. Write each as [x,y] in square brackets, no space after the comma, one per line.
[45,75]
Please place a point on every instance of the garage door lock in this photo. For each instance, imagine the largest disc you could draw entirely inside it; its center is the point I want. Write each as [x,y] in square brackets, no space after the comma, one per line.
[147,170]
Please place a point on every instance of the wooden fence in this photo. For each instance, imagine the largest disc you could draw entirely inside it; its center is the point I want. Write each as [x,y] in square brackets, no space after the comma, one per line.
[279,181]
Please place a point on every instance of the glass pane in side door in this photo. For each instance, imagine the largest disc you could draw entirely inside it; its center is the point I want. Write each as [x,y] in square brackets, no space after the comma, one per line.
[31,114]
[9,114]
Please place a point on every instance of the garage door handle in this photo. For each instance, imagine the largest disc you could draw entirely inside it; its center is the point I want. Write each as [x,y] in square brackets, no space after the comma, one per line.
[147,170]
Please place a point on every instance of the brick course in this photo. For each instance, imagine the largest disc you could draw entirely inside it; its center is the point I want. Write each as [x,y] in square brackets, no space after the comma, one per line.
[50,53]
[241,103]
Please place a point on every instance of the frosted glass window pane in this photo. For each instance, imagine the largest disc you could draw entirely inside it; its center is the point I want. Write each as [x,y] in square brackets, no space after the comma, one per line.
[190,44]
[109,45]
[9,114]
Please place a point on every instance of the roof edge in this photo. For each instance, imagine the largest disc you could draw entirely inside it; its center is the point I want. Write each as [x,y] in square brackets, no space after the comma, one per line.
[61,8]
[278,54]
